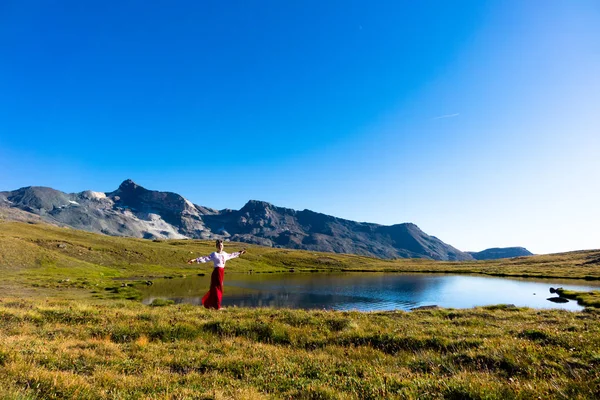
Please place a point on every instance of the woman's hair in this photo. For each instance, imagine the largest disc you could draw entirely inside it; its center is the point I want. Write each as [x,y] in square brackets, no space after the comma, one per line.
[218,241]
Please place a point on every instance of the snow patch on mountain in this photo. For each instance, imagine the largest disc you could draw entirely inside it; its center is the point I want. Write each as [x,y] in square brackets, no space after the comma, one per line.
[155,227]
[91,195]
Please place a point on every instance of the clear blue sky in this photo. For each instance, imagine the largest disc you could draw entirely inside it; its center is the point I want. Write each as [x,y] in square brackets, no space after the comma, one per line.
[477,120]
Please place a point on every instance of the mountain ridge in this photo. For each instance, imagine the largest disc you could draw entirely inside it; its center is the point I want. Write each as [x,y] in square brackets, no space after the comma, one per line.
[496,253]
[134,211]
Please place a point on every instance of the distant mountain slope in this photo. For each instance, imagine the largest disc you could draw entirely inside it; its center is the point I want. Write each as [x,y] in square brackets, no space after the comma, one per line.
[134,211]
[496,253]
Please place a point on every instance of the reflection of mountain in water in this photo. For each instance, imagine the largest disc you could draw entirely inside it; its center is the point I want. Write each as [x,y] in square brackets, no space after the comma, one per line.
[314,301]
[360,291]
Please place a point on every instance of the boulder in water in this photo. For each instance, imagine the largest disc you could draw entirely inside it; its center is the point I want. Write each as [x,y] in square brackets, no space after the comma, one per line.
[557,299]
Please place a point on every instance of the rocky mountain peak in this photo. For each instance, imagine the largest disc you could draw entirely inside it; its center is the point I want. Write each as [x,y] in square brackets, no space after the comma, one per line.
[128,185]
[38,198]
[256,205]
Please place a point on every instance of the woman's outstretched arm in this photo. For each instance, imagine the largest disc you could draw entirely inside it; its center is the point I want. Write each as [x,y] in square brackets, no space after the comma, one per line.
[235,254]
[200,259]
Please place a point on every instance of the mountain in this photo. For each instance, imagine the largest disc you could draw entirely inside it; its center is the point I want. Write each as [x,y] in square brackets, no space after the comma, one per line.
[496,253]
[134,211]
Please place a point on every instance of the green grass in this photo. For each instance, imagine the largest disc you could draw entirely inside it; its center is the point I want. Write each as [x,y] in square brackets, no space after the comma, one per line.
[68,330]
[55,257]
[588,299]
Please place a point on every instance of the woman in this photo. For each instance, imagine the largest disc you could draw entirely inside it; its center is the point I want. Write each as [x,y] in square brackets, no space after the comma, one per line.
[212,299]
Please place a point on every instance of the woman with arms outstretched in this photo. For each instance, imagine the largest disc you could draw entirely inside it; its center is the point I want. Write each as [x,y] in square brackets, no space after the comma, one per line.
[212,299]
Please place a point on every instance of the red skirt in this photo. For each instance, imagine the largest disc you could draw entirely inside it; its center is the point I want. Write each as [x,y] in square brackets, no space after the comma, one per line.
[212,298]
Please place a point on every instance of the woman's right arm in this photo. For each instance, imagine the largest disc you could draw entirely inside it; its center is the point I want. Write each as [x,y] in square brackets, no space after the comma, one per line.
[200,259]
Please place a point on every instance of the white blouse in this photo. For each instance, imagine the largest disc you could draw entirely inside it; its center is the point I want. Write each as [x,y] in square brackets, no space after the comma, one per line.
[218,258]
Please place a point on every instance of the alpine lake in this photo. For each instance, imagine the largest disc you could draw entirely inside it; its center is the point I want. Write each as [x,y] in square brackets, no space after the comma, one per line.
[369,291]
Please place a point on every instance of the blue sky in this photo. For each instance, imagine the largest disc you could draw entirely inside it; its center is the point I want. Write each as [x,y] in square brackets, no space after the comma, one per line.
[477,120]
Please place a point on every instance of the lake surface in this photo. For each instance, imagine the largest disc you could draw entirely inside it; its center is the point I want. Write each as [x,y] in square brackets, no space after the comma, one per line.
[368,291]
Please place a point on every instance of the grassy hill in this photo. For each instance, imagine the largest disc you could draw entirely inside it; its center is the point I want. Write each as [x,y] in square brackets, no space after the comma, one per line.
[67,330]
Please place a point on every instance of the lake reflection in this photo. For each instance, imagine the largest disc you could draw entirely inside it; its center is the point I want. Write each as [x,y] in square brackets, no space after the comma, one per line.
[368,291]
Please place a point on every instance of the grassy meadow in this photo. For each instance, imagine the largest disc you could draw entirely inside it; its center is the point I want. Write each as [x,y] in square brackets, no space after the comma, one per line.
[72,326]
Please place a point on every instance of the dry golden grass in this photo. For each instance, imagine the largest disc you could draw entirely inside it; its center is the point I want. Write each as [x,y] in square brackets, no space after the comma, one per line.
[110,349]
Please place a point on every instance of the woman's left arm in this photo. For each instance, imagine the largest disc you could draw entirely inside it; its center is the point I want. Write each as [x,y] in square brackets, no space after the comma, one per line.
[235,254]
